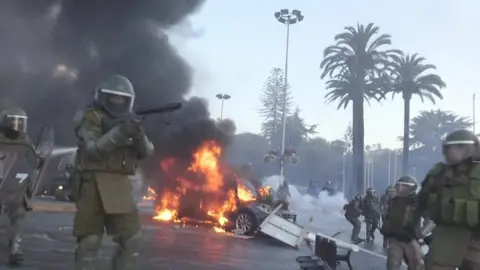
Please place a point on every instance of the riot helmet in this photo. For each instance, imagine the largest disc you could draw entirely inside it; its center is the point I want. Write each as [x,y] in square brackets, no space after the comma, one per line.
[459,146]
[390,191]
[14,123]
[115,95]
[406,186]
[370,191]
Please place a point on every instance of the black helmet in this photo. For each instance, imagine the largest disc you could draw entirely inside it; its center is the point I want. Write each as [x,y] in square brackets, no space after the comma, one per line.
[115,95]
[406,186]
[14,122]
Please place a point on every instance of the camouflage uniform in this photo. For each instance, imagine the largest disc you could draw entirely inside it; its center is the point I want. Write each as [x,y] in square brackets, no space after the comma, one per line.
[400,228]
[14,132]
[353,211]
[371,212]
[450,197]
[389,194]
[104,161]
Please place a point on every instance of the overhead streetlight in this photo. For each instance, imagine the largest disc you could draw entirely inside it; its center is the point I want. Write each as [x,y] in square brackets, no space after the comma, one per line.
[288,18]
[222,97]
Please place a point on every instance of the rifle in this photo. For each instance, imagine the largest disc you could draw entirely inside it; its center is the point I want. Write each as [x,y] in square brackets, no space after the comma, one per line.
[107,124]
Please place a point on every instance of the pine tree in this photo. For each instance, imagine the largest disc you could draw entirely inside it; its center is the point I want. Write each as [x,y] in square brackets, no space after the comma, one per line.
[273,96]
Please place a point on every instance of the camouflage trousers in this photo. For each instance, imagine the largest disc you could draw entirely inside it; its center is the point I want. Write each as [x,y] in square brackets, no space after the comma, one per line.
[372,226]
[90,224]
[16,217]
[410,252]
[471,259]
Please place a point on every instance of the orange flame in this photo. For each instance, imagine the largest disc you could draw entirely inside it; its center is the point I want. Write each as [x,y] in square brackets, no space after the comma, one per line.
[151,195]
[265,191]
[206,162]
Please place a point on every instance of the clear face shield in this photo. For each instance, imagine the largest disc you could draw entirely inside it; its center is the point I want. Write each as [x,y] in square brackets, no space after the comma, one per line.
[14,125]
[116,103]
[457,153]
[405,189]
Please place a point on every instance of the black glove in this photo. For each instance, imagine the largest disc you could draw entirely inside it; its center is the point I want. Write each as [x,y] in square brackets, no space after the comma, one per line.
[132,127]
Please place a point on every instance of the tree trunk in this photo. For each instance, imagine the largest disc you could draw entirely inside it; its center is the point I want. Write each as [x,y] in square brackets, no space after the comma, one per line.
[406,135]
[358,143]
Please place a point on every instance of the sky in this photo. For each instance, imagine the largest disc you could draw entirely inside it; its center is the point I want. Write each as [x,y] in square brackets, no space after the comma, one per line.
[237,43]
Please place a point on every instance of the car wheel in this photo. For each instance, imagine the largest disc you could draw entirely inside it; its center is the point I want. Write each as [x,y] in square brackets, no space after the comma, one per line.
[60,195]
[245,223]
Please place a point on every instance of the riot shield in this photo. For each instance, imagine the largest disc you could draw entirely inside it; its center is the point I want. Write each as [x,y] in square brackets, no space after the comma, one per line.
[43,147]
[17,171]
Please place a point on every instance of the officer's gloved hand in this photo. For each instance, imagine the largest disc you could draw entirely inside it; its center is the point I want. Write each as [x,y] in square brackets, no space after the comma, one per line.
[132,127]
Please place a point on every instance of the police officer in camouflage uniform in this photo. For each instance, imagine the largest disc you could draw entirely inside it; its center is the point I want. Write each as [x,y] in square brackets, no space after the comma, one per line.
[450,197]
[389,194]
[371,212]
[13,127]
[104,161]
[353,211]
[401,228]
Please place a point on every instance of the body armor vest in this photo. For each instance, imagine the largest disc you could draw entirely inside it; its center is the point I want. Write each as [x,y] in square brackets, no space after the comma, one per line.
[454,197]
[400,218]
[123,160]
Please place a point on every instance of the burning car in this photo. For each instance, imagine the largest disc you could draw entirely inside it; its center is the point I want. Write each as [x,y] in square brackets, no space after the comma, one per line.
[204,189]
[250,215]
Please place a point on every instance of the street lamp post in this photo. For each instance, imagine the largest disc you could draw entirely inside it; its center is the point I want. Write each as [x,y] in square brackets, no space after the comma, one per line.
[222,97]
[288,18]
[343,170]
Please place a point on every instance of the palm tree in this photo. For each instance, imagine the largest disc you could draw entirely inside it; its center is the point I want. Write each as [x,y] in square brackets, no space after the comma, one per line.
[354,65]
[412,77]
[429,128]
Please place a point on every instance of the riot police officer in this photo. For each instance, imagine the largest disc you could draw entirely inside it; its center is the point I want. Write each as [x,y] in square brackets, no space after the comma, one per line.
[400,228]
[353,211]
[389,194]
[13,127]
[450,197]
[371,212]
[104,160]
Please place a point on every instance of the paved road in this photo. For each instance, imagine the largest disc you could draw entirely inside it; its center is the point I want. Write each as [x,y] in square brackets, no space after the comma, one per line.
[49,245]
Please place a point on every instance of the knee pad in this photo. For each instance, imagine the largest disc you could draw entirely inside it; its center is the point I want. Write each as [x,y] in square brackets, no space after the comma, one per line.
[89,243]
[393,263]
[130,244]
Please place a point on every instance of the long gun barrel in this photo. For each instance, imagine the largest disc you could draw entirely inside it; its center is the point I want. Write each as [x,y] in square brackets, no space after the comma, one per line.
[170,107]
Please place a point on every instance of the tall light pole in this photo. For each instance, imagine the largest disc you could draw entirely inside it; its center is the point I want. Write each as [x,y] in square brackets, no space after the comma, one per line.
[473,113]
[222,97]
[288,18]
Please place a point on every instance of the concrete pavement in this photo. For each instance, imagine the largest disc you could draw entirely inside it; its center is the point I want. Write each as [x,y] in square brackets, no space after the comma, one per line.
[49,245]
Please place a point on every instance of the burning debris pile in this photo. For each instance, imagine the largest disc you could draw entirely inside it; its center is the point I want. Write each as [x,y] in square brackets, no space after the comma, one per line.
[203,189]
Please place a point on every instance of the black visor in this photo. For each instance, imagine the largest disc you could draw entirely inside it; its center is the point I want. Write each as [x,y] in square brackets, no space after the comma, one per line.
[116,103]
[17,123]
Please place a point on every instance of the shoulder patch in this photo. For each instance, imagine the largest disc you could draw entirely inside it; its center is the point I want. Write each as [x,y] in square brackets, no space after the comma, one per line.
[436,169]
[90,115]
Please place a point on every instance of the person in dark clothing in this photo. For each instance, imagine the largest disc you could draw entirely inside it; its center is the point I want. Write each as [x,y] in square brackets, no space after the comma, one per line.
[353,211]
[371,212]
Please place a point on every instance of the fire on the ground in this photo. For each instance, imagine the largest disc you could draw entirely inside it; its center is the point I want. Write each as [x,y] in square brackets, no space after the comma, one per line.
[205,190]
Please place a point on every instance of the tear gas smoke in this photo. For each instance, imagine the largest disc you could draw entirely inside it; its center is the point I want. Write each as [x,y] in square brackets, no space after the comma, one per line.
[327,211]
[55,52]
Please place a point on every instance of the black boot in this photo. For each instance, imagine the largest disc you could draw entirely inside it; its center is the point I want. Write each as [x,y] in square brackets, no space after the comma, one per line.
[16,255]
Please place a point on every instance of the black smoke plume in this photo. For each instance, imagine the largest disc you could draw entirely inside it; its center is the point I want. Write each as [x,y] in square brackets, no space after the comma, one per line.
[53,54]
